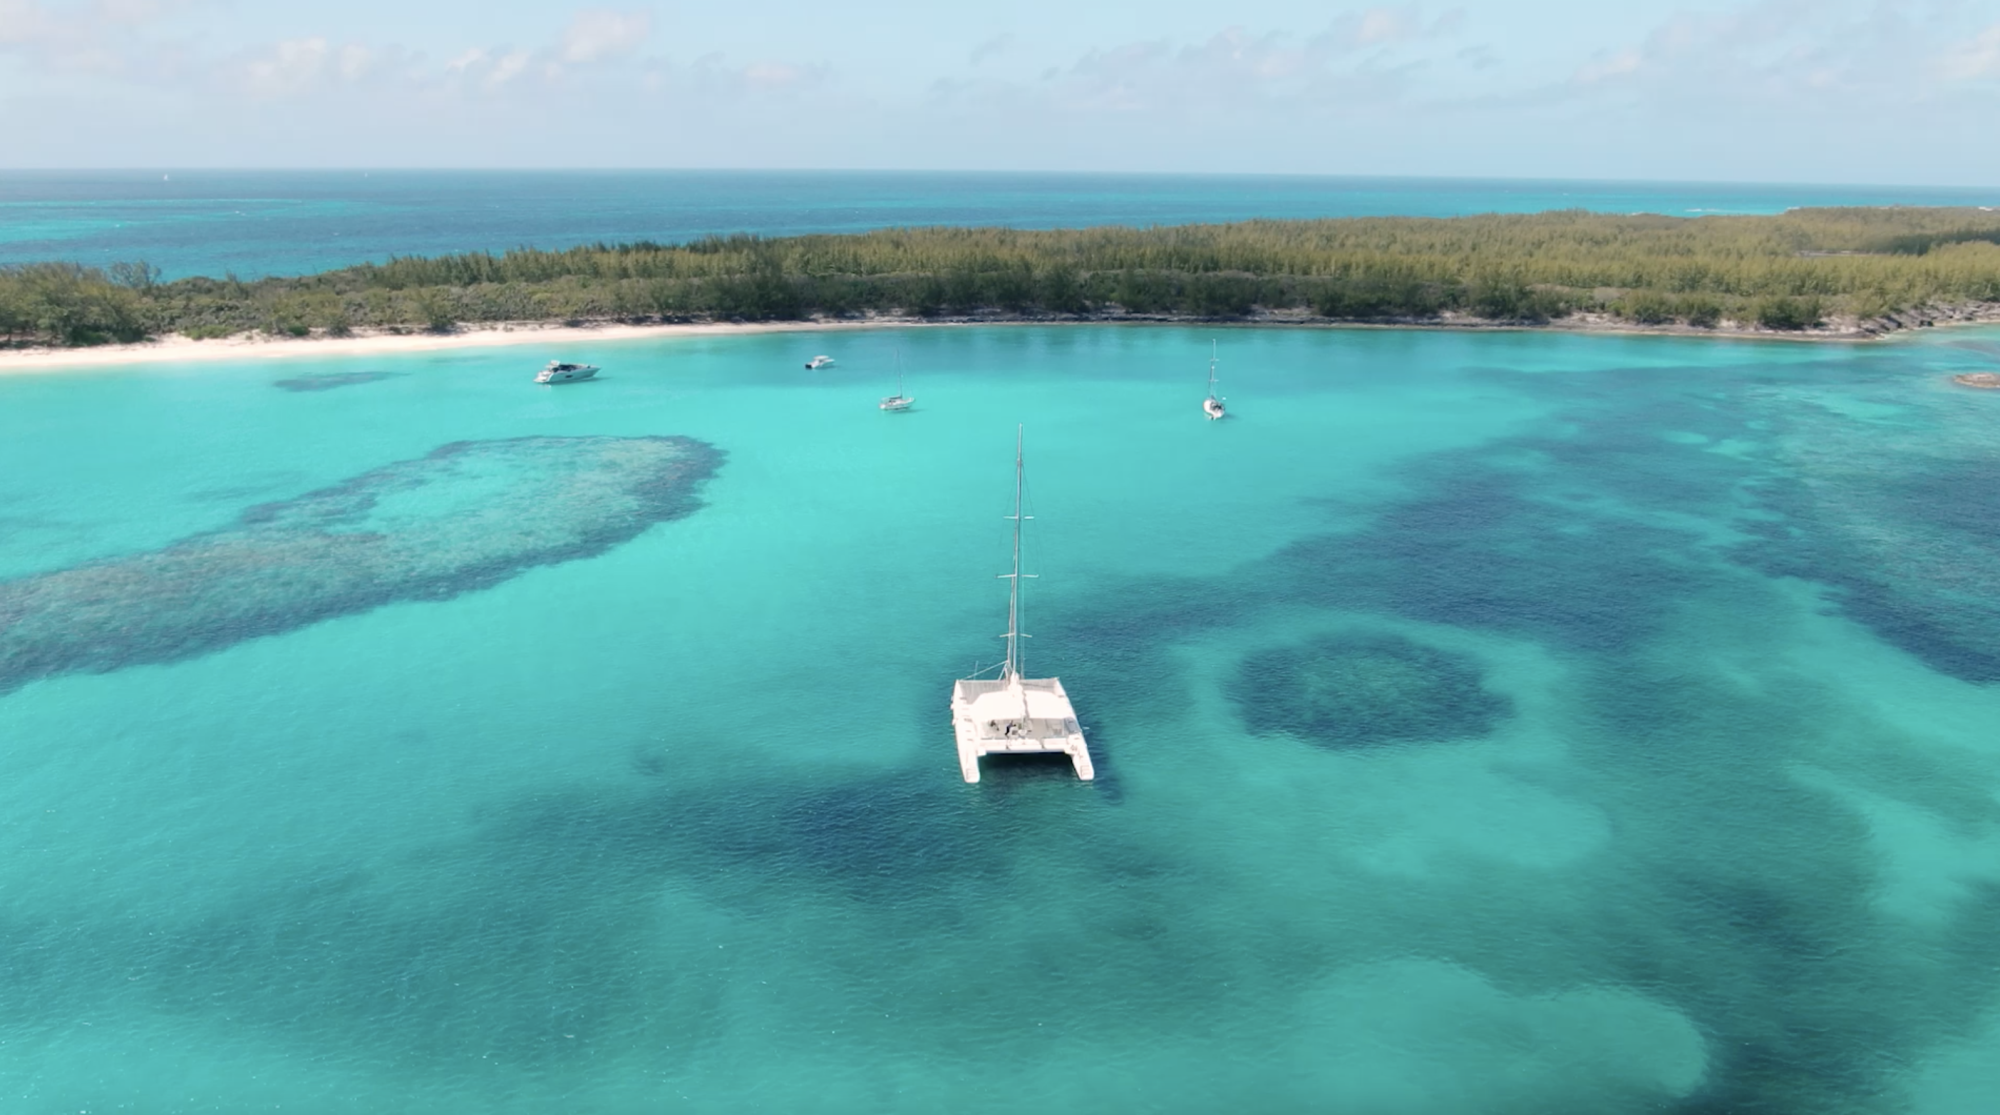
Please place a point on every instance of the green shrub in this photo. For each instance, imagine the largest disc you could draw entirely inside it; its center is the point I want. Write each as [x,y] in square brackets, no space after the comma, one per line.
[1701,311]
[1647,307]
[1220,295]
[1504,297]
[435,310]
[1788,313]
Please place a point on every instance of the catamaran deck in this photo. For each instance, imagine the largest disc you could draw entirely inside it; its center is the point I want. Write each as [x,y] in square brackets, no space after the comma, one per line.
[1016,716]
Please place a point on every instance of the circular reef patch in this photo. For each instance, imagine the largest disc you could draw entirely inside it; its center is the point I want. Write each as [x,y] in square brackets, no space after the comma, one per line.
[1346,691]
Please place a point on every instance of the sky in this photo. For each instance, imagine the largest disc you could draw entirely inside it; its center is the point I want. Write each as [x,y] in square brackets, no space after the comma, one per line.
[1770,90]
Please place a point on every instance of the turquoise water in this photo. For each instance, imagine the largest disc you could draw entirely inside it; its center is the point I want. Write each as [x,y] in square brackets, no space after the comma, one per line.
[1485,723]
[292,222]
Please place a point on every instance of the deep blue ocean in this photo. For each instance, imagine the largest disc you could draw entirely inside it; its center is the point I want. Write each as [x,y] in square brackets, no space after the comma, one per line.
[293,222]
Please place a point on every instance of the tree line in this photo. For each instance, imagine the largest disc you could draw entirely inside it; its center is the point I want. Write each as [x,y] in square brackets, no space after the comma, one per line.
[1789,271]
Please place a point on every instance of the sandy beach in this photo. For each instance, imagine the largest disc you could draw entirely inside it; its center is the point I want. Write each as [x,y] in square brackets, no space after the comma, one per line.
[176,349]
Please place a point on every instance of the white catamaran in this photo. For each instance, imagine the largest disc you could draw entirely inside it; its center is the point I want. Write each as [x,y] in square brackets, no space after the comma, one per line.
[1212,406]
[1013,714]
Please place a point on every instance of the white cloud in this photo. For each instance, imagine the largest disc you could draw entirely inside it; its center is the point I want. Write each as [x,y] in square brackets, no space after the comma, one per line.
[603,33]
[355,61]
[100,38]
[1977,58]
[294,67]
[28,21]
[291,66]
[24,21]
[1386,26]
[593,36]
[506,68]
[1361,61]
[136,11]
[713,79]
[1809,59]
[1624,62]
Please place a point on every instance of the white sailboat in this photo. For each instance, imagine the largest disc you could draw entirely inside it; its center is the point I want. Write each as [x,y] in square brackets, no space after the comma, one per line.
[1014,714]
[898,401]
[1212,406]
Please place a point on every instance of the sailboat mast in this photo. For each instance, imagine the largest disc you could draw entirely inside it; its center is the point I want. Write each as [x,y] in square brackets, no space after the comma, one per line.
[1211,369]
[1014,579]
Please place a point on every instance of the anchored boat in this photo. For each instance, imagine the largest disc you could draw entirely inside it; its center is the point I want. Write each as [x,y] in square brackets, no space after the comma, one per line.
[818,362]
[1013,714]
[898,401]
[1212,406]
[559,372]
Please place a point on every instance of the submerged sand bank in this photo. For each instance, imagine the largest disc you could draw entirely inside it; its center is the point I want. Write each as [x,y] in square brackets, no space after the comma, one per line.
[260,346]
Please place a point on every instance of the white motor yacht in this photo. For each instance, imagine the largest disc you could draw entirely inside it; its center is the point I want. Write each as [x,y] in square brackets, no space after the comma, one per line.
[818,362]
[559,372]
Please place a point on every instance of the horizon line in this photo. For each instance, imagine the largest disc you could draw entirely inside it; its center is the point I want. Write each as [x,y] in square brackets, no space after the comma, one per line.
[943,172]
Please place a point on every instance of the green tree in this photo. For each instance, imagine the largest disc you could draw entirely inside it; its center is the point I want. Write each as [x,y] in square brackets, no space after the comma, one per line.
[137,275]
[436,309]
[1788,312]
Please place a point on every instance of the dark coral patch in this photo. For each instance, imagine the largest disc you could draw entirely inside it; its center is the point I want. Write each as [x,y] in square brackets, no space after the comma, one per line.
[490,510]
[1343,691]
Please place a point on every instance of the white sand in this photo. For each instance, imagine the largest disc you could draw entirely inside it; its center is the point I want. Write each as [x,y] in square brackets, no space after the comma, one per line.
[257,346]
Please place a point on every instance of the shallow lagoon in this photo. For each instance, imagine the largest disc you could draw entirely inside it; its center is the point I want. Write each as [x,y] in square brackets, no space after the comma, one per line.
[1675,787]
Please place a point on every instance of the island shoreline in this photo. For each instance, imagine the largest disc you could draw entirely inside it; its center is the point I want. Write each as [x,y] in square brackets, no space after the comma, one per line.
[179,349]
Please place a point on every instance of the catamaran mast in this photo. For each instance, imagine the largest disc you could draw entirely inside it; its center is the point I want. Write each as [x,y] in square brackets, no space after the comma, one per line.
[1014,636]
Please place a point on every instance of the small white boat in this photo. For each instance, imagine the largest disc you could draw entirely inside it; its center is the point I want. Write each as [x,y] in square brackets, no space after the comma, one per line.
[818,362]
[898,401]
[1011,714]
[1212,406]
[559,372]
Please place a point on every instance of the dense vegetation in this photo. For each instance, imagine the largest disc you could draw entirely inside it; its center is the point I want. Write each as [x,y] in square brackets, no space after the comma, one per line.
[1784,272]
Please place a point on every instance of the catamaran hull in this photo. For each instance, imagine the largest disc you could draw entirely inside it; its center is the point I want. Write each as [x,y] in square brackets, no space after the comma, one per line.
[1028,716]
